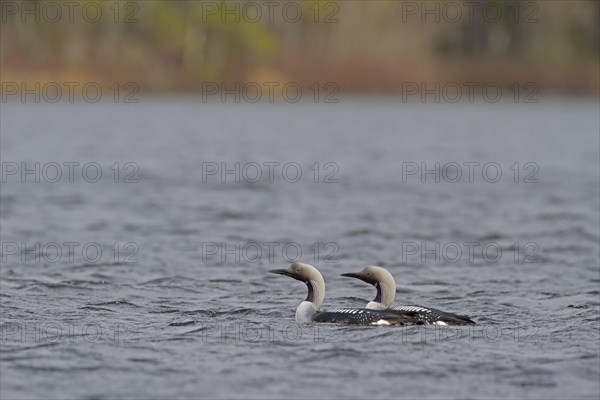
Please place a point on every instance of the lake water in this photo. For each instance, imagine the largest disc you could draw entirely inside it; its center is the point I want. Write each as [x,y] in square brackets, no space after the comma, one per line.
[137,266]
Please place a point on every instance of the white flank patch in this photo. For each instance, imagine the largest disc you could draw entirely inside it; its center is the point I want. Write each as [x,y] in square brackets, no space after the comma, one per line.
[380,322]
[439,323]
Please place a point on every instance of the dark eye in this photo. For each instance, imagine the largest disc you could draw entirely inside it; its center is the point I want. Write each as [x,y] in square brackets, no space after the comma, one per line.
[297,269]
[368,273]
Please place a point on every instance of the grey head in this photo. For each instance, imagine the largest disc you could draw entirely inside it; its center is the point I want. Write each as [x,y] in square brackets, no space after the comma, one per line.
[311,276]
[384,283]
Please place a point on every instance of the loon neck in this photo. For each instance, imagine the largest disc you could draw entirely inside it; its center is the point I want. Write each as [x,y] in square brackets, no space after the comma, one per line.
[386,292]
[316,291]
[314,299]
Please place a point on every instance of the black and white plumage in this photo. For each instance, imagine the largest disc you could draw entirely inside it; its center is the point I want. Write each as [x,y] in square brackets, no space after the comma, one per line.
[309,309]
[362,316]
[386,292]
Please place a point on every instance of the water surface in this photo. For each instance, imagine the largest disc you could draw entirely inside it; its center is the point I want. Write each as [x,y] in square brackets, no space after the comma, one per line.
[173,309]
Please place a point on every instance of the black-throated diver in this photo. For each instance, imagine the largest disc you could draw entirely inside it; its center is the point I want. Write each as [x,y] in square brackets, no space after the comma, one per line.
[308,310]
[386,292]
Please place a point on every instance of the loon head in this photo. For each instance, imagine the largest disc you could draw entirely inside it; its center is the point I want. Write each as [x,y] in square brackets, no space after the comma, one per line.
[384,283]
[311,276]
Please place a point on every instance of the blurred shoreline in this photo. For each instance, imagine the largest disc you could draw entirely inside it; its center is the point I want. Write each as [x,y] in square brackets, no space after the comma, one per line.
[382,78]
[358,46]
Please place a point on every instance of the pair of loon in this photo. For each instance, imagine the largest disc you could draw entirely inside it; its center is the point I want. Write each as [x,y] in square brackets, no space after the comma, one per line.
[379,311]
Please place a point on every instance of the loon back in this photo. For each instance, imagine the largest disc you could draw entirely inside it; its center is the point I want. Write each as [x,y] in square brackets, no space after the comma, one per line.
[431,316]
[362,316]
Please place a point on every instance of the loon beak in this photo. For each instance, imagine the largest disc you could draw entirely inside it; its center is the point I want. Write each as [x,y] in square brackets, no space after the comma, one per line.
[358,275]
[285,272]
[288,272]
